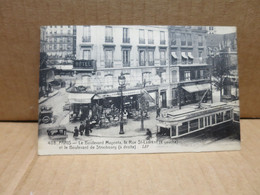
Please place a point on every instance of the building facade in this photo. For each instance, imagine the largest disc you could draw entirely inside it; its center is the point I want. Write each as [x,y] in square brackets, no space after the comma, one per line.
[139,52]
[60,44]
[189,71]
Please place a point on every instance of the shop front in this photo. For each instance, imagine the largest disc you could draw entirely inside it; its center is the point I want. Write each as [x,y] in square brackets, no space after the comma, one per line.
[80,106]
[194,93]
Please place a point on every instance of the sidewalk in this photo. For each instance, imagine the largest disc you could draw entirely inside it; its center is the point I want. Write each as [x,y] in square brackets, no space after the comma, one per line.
[43,99]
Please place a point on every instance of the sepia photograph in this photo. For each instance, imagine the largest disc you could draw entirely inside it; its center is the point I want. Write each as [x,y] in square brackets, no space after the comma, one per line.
[138,89]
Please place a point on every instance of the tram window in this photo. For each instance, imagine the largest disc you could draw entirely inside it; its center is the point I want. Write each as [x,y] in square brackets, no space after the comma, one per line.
[183,128]
[173,130]
[236,117]
[206,121]
[227,115]
[201,123]
[219,117]
[213,119]
[194,124]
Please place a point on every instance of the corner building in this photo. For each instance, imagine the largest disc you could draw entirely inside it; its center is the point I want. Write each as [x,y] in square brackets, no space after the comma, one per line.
[141,53]
[189,72]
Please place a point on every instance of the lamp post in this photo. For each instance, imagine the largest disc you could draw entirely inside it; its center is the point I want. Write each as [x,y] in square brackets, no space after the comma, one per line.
[121,82]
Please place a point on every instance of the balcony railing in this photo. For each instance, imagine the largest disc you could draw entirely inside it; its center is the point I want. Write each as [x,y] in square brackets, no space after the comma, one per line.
[173,42]
[151,63]
[86,39]
[142,63]
[150,41]
[109,39]
[162,42]
[109,64]
[142,41]
[126,64]
[200,44]
[183,43]
[126,40]
[163,62]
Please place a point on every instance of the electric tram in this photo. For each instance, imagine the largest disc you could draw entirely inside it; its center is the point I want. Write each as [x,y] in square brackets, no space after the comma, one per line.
[207,117]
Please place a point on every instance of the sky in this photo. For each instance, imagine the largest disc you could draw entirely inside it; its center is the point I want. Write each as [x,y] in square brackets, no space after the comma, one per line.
[225,29]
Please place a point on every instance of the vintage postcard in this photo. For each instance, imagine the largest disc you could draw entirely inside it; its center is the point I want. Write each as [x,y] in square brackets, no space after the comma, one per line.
[138,89]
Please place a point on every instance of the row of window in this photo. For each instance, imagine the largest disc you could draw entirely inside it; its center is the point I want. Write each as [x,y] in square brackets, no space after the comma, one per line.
[59,39]
[201,123]
[54,32]
[186,39]
[146,57]
[60,47]
[193,75]
[186,57]
[126,35]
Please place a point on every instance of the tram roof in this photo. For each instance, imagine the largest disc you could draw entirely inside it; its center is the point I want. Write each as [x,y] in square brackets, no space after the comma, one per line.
[191,112]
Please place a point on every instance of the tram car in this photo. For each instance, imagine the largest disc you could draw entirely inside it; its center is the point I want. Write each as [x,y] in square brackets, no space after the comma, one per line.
[209,118]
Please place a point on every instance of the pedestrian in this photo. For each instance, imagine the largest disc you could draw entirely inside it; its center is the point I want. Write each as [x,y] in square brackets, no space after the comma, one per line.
[158,111]
[148,133]
[76,132]
[87,127]
[81,128]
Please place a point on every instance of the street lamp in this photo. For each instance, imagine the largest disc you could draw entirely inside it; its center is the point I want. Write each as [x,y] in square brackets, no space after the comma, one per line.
[121,82]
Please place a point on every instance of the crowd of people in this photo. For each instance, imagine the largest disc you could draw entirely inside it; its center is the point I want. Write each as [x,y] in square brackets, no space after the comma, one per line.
[84,129]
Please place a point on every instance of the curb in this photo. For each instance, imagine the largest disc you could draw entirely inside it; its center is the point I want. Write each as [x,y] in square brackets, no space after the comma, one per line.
[55,93]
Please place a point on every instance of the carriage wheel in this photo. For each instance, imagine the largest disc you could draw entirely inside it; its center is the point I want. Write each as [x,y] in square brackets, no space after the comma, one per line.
[46,119]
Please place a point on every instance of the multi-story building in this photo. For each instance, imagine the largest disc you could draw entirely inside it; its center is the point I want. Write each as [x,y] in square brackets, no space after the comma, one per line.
[60,45]
[189,72]
[139,52]
[43,39]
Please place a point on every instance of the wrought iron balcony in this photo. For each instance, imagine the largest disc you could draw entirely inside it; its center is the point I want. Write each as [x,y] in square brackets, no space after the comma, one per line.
[86,39]
[162,42]
[142,41]
[109,39]
[150,41]
[126,40]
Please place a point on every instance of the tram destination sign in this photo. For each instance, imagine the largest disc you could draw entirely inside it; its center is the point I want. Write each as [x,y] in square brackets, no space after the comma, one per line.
[138,89]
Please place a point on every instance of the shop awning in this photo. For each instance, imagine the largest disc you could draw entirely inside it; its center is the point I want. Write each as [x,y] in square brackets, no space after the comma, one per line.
[80,98]
[196,88]
[184,55]
[174,55]
[190,55]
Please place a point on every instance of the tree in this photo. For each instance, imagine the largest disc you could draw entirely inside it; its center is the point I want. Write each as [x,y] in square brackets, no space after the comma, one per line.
[222,70]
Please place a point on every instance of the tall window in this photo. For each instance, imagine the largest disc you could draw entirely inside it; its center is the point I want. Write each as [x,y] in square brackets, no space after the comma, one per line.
[200,57]
[86,34]
[162,57]
[126,38]
[109,34]
[189,40]
[141,36]
[173,36]
[150,37]
[86,54]
[151,57]
[200,41]
[108,58]
[126,58]
[142,58]
[201,74]
[183,39]
[186,75]
[162,38]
